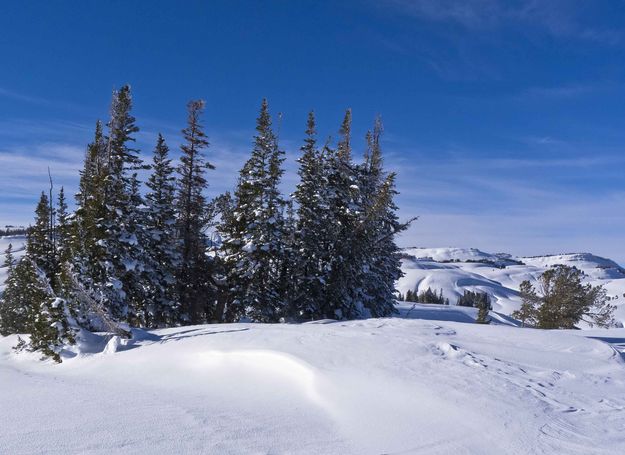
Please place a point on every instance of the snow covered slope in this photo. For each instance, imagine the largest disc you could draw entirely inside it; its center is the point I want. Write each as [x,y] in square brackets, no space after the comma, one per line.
[457,269]
[392,386]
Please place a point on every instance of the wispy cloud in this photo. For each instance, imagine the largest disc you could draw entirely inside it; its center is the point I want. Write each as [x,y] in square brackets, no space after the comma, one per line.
[558,17]
[5,93]
[566,91]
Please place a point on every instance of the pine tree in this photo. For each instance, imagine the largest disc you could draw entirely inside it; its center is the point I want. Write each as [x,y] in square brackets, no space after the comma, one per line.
[313,234]
[63,229]
[89,262]
[194,287]
[220,210]
[530,301]
[21,297]
[50,330]
[377,227]
[91,201]
[162,242]
[255,233]
[29,306]
[482,314]
[344,287]
[562,301]
[124,260]
[9,259]
[40,244]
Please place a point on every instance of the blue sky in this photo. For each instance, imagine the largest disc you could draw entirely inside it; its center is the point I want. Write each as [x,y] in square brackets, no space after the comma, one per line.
[504,120]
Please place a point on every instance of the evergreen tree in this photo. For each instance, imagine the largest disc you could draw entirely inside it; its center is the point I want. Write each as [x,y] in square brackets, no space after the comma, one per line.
[474,299]
[29,306]
[255,233]
[63,229]
[91,203]
[50,329]
[9,259]
[344,288]
[124,261]
[88,270]
[530,301]
[482,314]
[377,227]
[562,301]
[15,302]
[162,242]
[220,210]
[312,234]
[40,244]
[427,296]
[194,280]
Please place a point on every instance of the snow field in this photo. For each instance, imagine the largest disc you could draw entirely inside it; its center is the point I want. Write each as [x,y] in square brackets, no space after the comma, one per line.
[364,387]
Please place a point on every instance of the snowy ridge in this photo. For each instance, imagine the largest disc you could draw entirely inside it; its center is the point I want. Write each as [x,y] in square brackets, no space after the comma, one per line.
[458,255]
[455,270]
[594,266]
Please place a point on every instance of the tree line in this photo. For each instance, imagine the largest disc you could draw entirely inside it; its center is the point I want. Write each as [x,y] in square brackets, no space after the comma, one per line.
[159,253]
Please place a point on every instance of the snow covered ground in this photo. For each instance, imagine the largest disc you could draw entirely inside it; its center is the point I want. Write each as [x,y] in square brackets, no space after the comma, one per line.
[425,381]
[378,386]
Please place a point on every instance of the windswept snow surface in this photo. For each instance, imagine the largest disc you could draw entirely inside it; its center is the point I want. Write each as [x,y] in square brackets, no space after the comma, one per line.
[378,386]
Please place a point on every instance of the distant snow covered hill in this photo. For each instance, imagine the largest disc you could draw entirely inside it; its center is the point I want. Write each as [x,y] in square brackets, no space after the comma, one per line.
[376,386]
[455,270]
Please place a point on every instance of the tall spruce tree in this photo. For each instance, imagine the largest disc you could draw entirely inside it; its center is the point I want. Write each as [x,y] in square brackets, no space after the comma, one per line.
[91,200]
[88,267]
[40,244]
[124,256]
[162,240]
[313,232]
[376,230]
[254,235]
[63,228]
[344,287]
[9,259]
[194,287]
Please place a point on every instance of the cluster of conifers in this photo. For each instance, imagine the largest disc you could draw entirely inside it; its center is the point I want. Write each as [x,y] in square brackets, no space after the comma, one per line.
[160,254]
